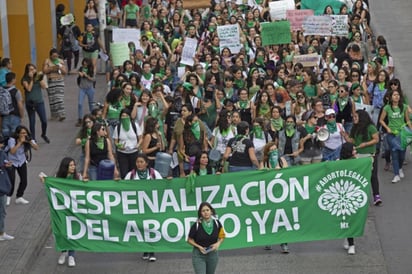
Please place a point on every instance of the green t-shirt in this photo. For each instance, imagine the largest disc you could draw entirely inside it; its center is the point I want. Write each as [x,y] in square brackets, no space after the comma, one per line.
[310,91]
[131,11]
[359,139]
[396,119]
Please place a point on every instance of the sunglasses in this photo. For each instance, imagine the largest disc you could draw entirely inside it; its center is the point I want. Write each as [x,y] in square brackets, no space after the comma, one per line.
[355,75]
[330,116]
[394,84]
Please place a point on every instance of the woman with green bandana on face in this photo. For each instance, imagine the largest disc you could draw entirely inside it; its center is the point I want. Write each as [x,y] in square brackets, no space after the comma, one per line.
[84,135]
[152,140]
[272,160]
[155,112]
[97,148]
[193,140]
[127,138]
[289,139]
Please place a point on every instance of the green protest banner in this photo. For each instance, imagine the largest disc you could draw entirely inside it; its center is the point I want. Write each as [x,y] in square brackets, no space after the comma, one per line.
[319,5]
[276,33]
[306,203]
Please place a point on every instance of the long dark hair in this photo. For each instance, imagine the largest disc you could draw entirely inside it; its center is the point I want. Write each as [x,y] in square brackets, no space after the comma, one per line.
[83,131]
[361,128]
[199,211]
[96,127]
[223,122]
[64,167]
[89,65]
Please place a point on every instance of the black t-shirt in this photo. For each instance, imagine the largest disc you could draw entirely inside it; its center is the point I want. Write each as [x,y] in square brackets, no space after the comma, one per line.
[240,151]
[199,235]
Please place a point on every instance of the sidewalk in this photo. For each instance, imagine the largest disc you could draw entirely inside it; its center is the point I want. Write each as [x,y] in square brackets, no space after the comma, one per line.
[30,224]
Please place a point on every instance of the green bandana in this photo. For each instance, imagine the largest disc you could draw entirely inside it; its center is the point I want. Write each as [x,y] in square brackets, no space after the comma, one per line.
[202,171]
[89,36]
[309,129]
[273,158]
[277,123]
[333,97]
[196,130]
[290,130]
[125,123]
[381,86]
[334,47]
[70,176]
[153,110]
[259,61]
[56,61]
[239,83]
[142,174]
[264,109]
[343,102]
[147,76]
[258,132]
[208,226]
[384,60]
[126,100]
[243,104]
[331,125]
[100,143]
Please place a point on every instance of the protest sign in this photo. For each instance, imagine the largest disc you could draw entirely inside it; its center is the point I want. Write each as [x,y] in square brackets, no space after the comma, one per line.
[229,37]
[276,33]
[127,35]
[307,60]
[278,9]
[119,53]
[317,25]
[340,25]
[196,4]
[296,17]
[319,5]
[189,51]
[321,201]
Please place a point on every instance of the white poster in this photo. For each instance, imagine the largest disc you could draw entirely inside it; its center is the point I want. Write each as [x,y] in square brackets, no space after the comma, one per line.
[278,9]
[127,35]
[340,25]
[189,51]
[317,25]
[229,37]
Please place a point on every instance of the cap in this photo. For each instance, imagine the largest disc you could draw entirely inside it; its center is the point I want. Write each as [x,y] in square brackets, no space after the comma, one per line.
[330,111]
[307,115]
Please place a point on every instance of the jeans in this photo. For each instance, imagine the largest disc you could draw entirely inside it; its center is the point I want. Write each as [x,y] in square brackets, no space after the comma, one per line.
[2,212]
[331,155]
[22,171]
[89,92]
[204,263]
[71,252]
[41,111]
[9,125]
[240,168]
[348,126]
[398,155]
[92,172]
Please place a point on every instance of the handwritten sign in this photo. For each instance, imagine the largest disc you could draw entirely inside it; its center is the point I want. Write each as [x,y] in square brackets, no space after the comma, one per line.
[229,37]
[189,51]
[339,25]
[127,35]
[276,33]
[278,9]
[307,60]
[317,25]
[119,52]
[296,17]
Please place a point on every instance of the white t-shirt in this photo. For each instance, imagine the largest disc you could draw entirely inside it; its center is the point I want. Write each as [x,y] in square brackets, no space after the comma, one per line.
[128,138]
[133,174]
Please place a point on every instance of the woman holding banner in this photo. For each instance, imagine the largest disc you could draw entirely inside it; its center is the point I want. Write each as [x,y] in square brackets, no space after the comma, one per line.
[143,172]
[206,235]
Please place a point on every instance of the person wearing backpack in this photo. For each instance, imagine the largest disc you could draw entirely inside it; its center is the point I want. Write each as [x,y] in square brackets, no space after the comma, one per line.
[206,235]
[4,163]
[143,172]
[69,33]
[5,67]
[20,145]
[16,113]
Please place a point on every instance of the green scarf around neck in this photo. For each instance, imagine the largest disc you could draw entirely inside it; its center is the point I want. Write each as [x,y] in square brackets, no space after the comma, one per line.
[332,127]
[290,130]
[100,142]
[208,226]
[258,132]
[196,129]
[277,123]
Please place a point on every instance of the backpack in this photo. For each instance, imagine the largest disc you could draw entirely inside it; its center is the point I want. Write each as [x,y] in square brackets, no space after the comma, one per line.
[13,92]
[68,38]
[6,102]
[151,172]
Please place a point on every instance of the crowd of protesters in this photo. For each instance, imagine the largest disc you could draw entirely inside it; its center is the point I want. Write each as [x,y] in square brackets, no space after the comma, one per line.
[251,109]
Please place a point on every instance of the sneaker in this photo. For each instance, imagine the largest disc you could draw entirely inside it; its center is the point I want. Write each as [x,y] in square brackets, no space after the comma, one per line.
[377,200]
[62,258]
[145,256]
[396,179]
[46,139]
[71,262]
[152,257]
[6,237]
[267,247]
[345,244]
[8,200]
[351,250]
[284,248]
[22,201]
[401,174]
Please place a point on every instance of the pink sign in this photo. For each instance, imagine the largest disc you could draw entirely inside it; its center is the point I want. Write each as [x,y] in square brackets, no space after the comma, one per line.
[296,17]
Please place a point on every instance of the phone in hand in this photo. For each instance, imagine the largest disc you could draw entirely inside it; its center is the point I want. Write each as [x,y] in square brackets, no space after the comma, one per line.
[208,249]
